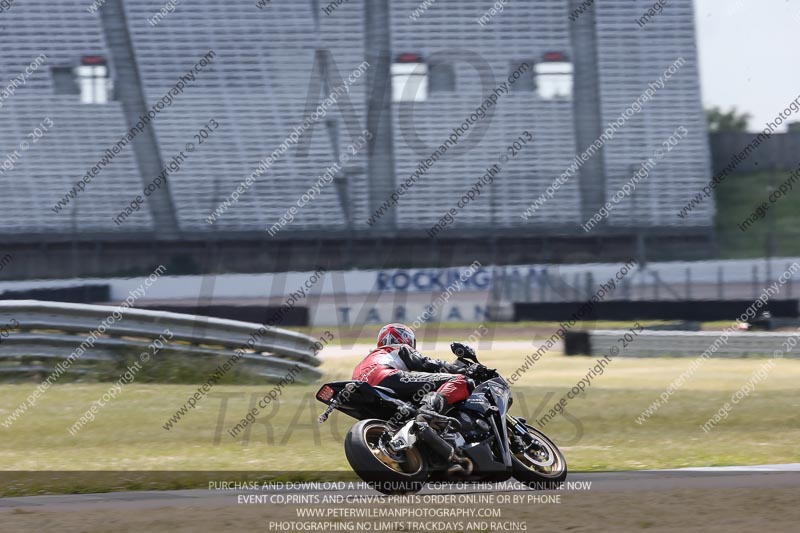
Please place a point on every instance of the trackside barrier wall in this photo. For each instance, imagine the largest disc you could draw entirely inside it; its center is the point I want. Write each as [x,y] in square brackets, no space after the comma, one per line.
[685,344]
[697,310]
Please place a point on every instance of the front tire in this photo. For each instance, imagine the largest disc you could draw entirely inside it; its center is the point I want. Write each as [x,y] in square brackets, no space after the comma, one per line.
[383,470]
[541,465]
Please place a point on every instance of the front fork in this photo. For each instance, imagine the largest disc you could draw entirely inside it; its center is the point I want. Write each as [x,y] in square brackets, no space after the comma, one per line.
[518,426]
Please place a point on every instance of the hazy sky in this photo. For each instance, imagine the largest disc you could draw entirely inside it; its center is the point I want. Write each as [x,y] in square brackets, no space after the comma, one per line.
[749,55]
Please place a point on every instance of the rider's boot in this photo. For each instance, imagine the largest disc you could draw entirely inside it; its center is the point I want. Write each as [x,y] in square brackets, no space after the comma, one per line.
[435,402]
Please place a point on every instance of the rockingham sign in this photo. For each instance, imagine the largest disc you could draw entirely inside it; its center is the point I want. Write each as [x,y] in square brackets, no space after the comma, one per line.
[355,297]
[431,279]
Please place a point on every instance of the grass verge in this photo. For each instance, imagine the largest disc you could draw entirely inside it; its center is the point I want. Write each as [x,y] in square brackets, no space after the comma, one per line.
[598,431]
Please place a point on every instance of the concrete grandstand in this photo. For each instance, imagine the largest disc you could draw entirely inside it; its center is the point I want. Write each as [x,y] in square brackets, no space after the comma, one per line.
[260,73]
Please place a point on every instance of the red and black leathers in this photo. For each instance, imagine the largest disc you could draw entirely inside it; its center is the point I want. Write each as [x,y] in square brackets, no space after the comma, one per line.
[408,372]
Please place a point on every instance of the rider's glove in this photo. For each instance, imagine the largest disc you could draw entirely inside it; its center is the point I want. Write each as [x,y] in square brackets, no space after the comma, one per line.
[478,372]
[462,350]
[473,371]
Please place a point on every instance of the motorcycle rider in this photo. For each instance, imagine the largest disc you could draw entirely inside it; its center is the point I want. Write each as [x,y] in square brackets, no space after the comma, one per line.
[397,365]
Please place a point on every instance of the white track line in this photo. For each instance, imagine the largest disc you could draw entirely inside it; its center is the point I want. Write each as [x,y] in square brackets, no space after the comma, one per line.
[789,467]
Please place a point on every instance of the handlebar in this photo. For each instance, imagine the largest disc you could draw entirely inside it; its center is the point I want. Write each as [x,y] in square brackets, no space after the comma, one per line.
[480,372]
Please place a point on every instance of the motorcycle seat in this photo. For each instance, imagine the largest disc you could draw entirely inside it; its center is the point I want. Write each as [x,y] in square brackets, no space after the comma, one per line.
[386,390]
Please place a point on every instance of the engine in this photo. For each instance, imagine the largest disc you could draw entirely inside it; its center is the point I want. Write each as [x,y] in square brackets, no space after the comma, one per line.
[473,429]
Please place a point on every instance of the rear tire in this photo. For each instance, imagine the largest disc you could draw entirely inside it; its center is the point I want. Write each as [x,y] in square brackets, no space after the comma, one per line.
[542,465]
[402,474]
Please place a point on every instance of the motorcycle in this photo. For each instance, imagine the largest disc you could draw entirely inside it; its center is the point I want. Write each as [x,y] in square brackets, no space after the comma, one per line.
[475,440]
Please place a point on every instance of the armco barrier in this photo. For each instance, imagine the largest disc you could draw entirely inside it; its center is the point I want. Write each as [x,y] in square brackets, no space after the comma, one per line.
[48,332]
[683,343]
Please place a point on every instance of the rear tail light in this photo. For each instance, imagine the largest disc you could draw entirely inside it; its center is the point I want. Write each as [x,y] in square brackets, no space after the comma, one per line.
[325,393]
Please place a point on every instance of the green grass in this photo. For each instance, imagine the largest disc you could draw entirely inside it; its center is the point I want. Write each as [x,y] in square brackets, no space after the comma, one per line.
[599,433]
[738,197]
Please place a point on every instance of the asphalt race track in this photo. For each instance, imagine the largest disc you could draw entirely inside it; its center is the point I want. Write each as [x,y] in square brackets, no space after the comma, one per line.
[711,478]
[693,499]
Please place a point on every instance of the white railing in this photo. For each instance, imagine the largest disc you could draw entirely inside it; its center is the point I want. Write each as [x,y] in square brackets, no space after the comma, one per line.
[37,335]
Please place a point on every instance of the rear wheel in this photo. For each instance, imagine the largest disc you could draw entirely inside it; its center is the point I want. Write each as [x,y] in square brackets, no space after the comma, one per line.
[541,464]
[383,469]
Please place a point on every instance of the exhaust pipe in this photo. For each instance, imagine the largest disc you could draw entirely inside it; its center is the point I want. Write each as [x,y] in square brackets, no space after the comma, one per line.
[443,448]
[463,469]
[440,446]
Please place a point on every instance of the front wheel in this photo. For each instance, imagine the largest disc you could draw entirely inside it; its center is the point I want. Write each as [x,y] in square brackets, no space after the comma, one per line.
[384,470]
[541,465]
